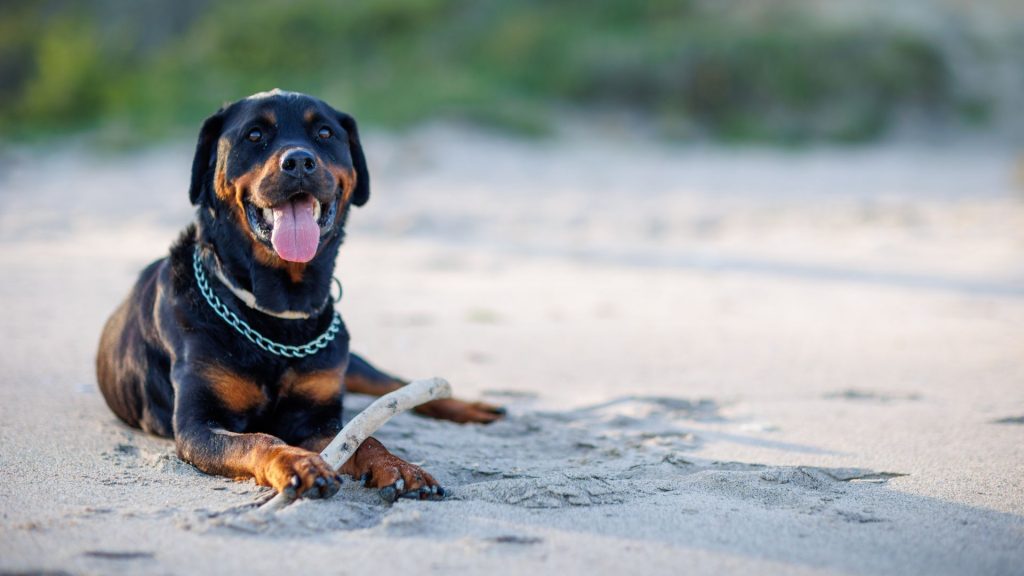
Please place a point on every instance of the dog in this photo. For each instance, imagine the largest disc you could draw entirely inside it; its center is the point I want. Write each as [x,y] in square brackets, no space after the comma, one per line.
[231,344]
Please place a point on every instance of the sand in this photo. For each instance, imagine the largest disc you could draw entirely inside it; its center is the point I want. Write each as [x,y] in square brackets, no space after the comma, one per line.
[715,361]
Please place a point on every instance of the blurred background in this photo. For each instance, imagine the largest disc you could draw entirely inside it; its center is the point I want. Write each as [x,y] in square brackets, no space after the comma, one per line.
[788,71]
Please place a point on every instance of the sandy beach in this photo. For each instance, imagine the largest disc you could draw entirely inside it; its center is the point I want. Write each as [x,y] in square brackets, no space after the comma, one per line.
[714,361]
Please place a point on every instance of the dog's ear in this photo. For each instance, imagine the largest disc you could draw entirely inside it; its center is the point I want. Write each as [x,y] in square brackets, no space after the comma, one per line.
[205,159]
[362,191]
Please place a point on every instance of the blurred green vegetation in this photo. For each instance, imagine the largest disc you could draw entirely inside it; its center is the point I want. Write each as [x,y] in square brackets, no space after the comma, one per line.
[768,72]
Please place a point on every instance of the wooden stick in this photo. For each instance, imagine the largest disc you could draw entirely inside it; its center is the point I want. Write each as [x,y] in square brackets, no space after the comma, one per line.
[368,421]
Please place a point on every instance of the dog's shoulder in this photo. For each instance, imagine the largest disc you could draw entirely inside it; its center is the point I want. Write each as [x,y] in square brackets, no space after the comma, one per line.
[180,260]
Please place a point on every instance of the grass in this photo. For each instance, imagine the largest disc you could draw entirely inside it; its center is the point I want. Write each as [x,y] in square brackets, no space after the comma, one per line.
[143,70]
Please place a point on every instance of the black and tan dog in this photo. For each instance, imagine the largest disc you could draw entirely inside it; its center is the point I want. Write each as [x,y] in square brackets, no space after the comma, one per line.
[231,344]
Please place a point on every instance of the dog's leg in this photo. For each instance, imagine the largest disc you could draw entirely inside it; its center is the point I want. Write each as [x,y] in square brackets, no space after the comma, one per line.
[203,440]
[394,477]
[364,378]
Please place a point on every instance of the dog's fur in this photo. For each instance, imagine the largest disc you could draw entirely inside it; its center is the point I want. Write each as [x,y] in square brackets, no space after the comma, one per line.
[169,365]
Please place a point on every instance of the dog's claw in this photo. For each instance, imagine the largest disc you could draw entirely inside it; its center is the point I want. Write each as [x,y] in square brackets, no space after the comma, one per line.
[365,479]
[329,490]
[424,493]
[295,481]
[388,494]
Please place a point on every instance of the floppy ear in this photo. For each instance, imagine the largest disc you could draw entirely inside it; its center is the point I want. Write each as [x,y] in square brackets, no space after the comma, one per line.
[362,192]
[206,156]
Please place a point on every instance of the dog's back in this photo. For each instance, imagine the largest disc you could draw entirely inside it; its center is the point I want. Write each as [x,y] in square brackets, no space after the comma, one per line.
[132,368]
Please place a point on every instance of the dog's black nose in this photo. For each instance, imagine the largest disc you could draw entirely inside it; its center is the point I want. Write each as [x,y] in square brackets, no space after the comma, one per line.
[298,162]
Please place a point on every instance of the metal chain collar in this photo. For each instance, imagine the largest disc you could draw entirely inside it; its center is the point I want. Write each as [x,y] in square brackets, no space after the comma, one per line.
[308,349]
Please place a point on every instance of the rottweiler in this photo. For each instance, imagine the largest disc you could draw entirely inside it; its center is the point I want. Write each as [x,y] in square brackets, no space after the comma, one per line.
[231,344]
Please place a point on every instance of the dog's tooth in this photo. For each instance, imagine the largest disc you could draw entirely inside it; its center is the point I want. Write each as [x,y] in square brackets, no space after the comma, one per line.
[316,210]
[268,214]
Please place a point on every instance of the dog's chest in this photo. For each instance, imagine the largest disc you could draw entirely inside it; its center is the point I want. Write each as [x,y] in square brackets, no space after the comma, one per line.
[258,396]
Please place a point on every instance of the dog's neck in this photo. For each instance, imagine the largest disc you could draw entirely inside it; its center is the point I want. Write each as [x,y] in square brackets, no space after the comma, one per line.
[270,288]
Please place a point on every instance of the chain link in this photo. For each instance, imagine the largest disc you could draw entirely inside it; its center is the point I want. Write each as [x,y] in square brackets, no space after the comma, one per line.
[308,349]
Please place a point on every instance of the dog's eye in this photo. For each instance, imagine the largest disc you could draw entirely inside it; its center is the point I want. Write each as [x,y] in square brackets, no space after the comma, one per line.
[325,133]
[255,135]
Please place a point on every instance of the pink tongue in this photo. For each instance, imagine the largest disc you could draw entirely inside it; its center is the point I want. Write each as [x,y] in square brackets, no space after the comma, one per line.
[296,233]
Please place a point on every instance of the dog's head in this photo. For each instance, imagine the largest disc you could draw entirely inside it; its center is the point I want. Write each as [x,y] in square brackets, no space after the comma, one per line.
[283,168]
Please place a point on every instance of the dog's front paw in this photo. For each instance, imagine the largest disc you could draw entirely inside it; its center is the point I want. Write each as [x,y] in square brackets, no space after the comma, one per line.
[297,472]
[395,478]
[461,411]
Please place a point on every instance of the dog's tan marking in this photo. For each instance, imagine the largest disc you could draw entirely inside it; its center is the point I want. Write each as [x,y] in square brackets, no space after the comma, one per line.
[237,393]
[220,184]
[346,179]
[322,386]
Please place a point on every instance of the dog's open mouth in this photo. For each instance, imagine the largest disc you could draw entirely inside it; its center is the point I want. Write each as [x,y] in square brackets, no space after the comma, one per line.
[293,227]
